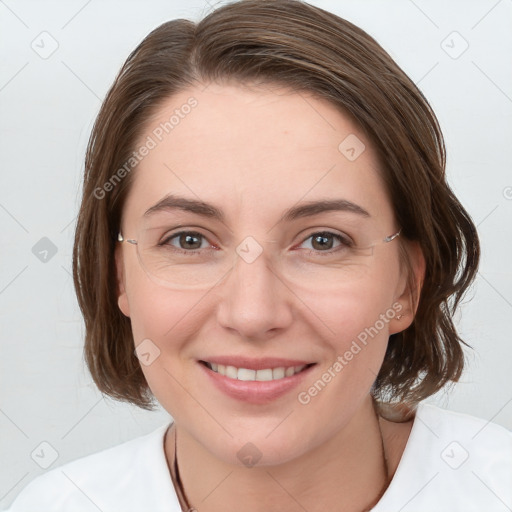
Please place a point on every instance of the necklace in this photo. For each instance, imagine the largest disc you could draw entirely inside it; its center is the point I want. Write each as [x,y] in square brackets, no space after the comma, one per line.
[185,505]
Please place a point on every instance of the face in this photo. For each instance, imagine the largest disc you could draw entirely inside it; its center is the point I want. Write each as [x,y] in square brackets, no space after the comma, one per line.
[254,154]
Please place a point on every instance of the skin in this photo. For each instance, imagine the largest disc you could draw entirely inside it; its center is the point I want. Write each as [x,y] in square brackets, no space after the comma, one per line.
[254,152]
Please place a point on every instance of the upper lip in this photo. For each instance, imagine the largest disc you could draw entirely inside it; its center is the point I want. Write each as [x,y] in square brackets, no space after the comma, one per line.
[255,364]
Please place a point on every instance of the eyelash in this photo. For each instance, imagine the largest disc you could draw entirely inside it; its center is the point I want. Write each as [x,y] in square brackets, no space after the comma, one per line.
[344,241]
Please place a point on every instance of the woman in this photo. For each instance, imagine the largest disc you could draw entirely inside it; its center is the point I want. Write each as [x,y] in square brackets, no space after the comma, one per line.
[267,246]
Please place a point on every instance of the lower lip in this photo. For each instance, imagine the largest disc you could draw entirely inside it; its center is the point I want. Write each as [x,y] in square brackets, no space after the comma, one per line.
[255,392]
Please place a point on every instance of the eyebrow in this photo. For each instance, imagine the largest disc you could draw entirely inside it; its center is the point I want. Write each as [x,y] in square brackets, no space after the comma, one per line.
[305,209]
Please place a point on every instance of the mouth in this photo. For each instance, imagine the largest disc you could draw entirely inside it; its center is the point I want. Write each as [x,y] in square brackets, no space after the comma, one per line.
[260,386]
[261,375]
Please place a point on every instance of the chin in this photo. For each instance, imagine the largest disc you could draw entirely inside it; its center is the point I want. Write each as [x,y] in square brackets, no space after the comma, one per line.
[253,446]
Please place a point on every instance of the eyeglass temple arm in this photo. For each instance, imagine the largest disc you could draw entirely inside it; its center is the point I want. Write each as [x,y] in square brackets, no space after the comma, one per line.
[129,240]
[392,237]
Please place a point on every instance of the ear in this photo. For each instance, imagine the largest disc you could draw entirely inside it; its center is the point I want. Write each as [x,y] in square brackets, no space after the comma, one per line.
[122,297]
[411,283]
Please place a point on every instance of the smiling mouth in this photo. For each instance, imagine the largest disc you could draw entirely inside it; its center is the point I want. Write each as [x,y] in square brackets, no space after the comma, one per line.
[247,374]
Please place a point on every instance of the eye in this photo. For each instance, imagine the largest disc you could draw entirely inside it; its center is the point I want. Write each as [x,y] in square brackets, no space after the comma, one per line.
[192,241]
[187,241]
[323,241]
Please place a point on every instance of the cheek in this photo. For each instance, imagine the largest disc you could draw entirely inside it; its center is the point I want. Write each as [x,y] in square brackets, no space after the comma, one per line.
[158,317]
[163,324]
[355,322]
[358,305]
[355,345]
[156,312]
[162,315]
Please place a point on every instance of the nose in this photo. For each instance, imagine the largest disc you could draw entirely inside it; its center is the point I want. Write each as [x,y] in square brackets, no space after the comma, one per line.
[254,300]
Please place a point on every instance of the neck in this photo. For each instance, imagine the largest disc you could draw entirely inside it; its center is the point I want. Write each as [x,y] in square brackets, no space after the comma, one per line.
[347,471]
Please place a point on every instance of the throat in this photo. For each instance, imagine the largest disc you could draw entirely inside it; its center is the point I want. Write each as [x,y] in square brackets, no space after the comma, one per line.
[346,471]
[395,436]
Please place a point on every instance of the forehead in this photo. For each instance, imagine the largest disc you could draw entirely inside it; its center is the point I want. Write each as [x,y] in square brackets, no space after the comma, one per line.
[255,150]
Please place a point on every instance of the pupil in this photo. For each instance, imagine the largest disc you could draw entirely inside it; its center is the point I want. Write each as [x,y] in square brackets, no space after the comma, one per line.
[323,238]
[190,239]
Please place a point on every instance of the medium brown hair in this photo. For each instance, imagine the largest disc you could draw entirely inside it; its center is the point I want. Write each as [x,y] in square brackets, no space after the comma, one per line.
[306,49]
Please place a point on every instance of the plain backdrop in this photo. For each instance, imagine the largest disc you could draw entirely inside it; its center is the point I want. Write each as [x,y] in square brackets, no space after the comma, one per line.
[57,60]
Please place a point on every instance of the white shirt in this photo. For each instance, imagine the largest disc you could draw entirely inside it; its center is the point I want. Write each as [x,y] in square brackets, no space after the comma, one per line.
[452,462]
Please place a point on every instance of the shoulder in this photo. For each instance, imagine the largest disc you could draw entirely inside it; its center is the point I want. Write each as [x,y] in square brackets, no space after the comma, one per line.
[480,438]
[129,476]
[452,462]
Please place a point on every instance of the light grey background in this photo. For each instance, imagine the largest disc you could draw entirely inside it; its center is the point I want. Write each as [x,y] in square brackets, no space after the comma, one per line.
[48,106]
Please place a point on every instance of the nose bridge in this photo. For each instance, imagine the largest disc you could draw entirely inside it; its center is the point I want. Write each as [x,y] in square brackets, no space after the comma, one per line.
[254,300]
[253,271]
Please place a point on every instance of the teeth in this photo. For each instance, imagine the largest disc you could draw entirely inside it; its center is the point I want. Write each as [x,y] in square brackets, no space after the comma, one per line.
[290,371]
[255,375]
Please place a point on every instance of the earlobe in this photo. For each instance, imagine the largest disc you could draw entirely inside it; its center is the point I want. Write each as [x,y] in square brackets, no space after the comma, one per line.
[407,302]
[122,302]
[122,297]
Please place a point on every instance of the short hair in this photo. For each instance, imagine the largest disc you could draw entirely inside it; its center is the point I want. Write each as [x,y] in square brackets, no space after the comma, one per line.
[306,49]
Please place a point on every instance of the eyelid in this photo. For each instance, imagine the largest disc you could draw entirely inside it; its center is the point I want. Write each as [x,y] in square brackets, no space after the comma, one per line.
[177,230]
